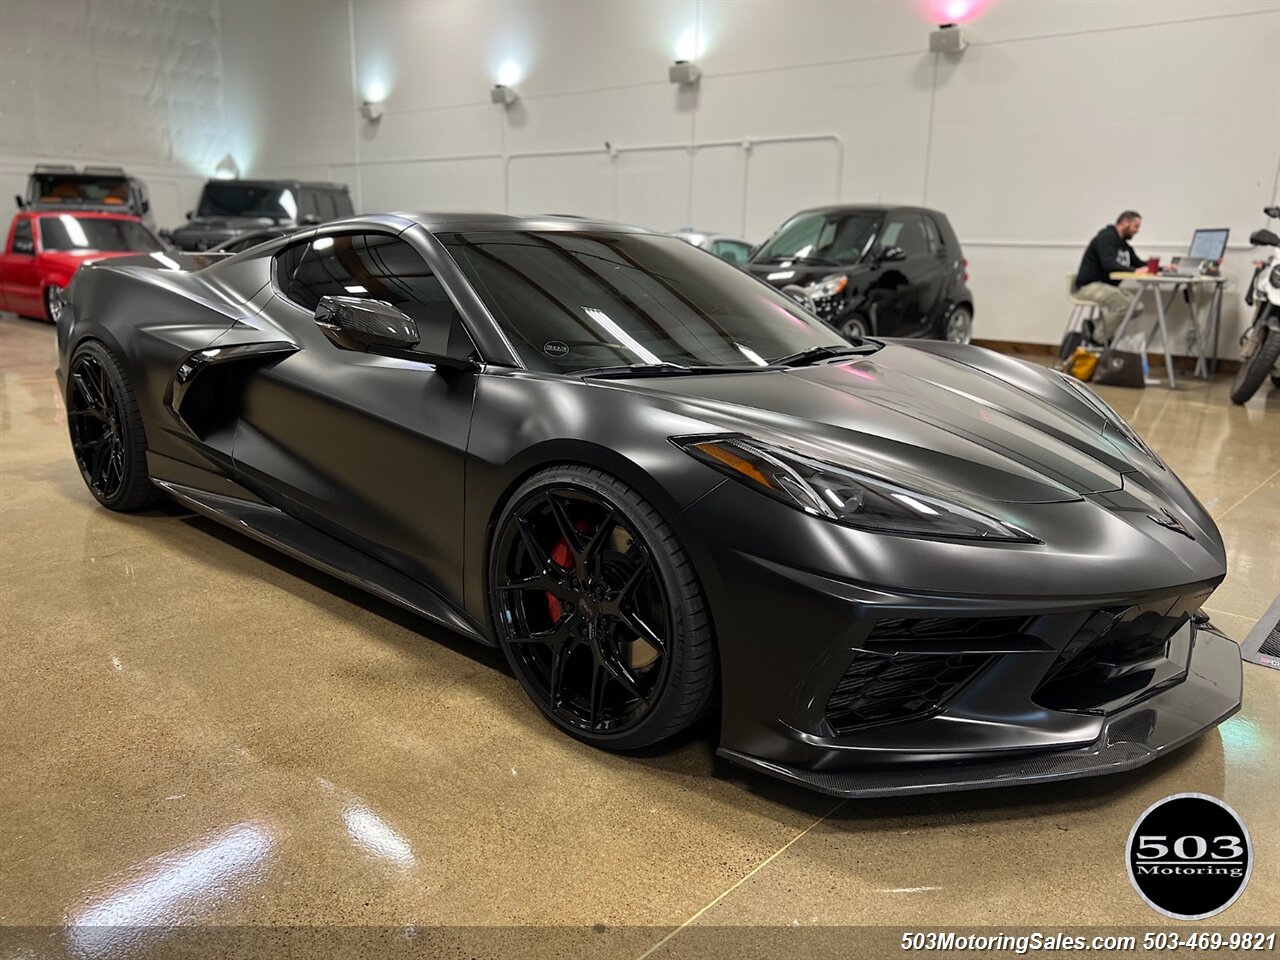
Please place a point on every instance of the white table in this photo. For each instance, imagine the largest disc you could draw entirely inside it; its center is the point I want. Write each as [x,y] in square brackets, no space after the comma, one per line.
[1157,284]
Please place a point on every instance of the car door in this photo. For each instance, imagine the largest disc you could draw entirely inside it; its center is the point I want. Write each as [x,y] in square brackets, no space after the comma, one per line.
[889,292]
[908,274]
[19,273]
[369,448]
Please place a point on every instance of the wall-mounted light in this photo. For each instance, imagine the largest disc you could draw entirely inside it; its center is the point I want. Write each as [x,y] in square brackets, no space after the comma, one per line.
[227,168]
[503,94]
[371,111]
[948,38]
[684,72]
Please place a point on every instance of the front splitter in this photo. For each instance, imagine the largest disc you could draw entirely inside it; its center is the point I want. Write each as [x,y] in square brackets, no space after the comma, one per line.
[1130,738]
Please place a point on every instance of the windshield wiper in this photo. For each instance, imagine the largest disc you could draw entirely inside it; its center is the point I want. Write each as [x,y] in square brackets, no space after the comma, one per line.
[663,370]
[824,352]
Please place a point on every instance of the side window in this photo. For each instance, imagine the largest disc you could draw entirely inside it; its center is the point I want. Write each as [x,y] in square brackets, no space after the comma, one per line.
[934,237]
[731,250]
[905,230]
[377,267]
[341,205]
[311,207]
[23,241]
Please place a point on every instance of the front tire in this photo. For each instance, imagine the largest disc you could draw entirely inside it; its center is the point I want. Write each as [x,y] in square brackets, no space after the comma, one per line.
[1256,365]
[599,611]
[107,436]
[855,328]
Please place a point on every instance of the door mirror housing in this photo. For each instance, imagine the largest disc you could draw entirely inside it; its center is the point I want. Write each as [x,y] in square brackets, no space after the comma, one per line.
[18,200]
[374,326]
[310,219]
[891,254]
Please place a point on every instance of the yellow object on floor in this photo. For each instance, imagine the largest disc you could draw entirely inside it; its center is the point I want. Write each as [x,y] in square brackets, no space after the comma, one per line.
[1082,364]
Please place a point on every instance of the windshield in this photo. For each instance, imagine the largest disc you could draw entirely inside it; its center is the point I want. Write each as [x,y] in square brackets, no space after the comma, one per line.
[572,301]
[78,190]
[245,200]
[840,236]
[65,232]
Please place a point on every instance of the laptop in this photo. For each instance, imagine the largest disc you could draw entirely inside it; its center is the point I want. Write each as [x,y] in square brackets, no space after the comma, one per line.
[1208,246]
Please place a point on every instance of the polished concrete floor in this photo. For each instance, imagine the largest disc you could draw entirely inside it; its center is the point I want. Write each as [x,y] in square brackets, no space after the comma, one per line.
[194,729]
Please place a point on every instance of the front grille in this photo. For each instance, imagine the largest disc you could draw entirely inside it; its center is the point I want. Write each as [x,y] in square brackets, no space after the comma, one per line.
[948,628]
[1117,653]
[893,687]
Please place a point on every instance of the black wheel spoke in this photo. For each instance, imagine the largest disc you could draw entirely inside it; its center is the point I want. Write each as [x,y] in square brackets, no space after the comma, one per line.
[590,552]
[541,558]
[641,629]
[628,590]
[565,525]
[599,678]
[619,672]
[544,582]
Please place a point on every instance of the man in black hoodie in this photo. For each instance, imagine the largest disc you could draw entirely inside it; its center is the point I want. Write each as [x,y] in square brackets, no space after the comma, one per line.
[1109,252]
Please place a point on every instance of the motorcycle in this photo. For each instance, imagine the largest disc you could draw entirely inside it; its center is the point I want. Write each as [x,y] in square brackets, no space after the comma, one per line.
[1260,356]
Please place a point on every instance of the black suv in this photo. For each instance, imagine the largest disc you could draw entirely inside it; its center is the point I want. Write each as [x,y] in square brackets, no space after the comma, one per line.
[229,208]
[873,269]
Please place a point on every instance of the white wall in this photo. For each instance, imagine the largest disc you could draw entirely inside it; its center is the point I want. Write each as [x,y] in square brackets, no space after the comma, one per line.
[1059,114]
[135,83]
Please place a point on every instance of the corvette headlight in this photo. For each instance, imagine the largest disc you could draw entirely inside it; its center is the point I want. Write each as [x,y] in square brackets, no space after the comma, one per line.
[844,495]
[830,287]
[1108,414]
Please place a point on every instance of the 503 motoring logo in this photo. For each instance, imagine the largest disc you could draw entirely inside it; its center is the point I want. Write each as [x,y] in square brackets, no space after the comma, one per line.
[1189,856]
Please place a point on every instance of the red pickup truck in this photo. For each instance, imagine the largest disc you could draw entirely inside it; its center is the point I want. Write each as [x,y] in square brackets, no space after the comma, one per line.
[44,249]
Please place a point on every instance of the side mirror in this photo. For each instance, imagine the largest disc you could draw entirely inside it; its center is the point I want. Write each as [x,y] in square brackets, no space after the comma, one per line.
[890,254]
[1264,238]
[373,326]
[145,206]
[18,200]
[310,220]
[189,214]
[1272,212]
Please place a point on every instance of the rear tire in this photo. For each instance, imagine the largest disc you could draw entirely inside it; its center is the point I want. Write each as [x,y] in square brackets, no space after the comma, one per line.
[107,436]
[959,327]
[1256,367]
[52,303]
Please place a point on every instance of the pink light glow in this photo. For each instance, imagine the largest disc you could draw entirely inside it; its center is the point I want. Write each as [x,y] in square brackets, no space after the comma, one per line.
[953,11]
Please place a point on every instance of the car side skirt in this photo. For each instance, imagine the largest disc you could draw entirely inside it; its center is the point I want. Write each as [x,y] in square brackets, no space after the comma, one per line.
[278,530]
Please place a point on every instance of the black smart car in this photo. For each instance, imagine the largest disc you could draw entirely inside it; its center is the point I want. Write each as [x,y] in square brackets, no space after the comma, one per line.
[229,208]
[873,269]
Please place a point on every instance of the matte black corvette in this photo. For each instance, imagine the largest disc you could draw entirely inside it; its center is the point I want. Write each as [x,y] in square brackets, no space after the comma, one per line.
[662,487]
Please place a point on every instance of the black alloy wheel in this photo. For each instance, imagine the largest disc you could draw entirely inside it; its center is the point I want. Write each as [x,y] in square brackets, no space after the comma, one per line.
[598,610]
[106,430]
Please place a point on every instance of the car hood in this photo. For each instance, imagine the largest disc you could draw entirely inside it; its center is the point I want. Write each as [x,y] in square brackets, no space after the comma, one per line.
[991,429]
[224,225]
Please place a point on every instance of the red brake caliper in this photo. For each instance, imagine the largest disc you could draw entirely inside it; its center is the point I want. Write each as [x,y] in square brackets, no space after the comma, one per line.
[562,556]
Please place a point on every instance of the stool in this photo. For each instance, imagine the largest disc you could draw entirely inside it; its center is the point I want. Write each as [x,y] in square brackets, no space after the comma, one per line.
[1081,310]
